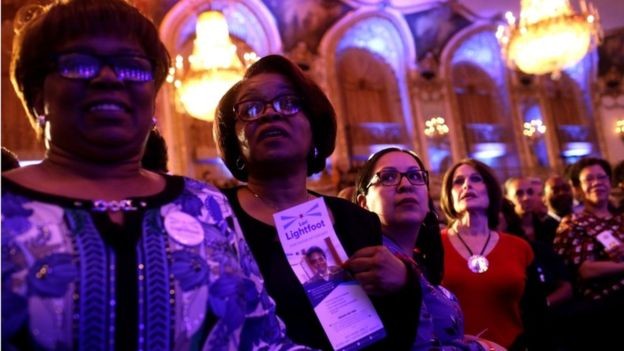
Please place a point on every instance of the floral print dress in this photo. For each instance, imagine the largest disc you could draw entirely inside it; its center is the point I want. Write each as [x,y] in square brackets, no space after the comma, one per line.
[441,323]
[176,275]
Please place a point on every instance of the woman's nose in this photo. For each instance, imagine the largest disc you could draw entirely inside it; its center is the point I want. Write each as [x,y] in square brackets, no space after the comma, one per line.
[403,181]
[107,74]
[268,115]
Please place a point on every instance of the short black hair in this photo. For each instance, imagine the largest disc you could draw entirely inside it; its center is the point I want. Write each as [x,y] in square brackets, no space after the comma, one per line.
[155,155]
[366,173]
[618,174]
[41,30]
[314,249]
[316,107]
[585,162]
[428,251]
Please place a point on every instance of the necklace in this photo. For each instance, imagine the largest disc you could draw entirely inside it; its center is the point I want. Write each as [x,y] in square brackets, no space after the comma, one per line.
[477,263]
[268,203]
[125,205]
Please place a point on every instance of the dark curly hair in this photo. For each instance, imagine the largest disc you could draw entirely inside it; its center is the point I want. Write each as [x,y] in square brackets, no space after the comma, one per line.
[495,194]
[366,173]
[429,252]
[585,162]
[314,249]
[42,30]
[316,107]
[155,156]
[618,173]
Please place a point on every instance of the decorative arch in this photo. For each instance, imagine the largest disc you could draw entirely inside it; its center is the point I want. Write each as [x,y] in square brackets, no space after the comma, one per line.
[405,6]
[248,20]
[377,35]
[477,82]
[585,71]
[250,24]
[568,102]
[362,29]
[477,45]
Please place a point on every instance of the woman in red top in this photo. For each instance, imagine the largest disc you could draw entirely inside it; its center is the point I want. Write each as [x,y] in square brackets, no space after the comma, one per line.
[490,272]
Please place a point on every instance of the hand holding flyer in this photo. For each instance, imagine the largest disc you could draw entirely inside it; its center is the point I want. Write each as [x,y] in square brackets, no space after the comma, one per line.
[315,254]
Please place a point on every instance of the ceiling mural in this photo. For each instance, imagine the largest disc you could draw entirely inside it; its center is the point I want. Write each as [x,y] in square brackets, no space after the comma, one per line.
[305,21]
[434,27]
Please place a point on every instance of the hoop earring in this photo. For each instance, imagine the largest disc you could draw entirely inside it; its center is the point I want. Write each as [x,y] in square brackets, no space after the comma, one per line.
[240,164]
[41,121]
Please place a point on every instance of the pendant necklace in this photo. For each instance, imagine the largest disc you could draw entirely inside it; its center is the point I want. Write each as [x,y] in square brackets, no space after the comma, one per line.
[270,205]
[267,203]
[477,263]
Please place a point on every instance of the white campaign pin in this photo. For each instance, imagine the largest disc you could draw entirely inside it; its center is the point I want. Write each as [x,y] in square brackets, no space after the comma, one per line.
[184,228]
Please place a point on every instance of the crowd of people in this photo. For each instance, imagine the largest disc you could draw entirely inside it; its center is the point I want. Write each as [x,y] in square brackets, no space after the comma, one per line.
[103,248]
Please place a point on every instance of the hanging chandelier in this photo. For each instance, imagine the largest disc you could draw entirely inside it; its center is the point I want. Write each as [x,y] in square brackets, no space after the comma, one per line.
[549,36]
[214,67]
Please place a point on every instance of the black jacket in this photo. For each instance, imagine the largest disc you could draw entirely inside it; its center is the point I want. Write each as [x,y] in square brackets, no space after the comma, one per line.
[356,228]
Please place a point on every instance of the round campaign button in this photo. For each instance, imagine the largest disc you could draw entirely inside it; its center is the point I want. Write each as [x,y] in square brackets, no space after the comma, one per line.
[184,228]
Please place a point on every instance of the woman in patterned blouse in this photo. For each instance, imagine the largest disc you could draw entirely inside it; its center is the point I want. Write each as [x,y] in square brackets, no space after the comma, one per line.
[591,243]
[98,253]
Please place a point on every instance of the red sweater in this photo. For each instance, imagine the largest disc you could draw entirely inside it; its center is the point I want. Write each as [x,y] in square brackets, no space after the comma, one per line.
[490,300]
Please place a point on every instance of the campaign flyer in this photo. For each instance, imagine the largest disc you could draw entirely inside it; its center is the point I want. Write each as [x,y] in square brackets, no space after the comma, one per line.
[315,255]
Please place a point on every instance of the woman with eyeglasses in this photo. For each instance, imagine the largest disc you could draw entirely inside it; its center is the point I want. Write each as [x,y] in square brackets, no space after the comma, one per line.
[394,184]
[274,129]
[99,253]
[492,273]
[592,244]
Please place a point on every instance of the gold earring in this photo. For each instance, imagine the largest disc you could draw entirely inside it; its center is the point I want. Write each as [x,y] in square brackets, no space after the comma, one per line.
[41,121]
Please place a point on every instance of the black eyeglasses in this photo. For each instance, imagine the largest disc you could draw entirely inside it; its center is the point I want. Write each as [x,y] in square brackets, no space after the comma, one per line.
[129,68]
[392,177]
[250,110]
[598,177]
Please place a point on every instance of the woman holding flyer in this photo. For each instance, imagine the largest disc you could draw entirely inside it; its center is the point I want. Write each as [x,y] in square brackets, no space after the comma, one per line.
[394,184]
[274,129]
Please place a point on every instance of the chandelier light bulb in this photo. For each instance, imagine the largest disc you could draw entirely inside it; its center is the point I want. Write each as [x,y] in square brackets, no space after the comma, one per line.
[436,128]
[534,129]
[619,128]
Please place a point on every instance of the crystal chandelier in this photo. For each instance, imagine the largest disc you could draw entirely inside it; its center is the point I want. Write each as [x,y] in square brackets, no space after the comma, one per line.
[550,35]
[214,67]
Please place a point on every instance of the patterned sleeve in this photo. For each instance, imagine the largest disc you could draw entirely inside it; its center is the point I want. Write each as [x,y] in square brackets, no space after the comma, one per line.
[23,275]
[568,242]
[257,322]
[14,302]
